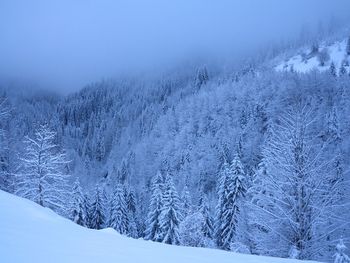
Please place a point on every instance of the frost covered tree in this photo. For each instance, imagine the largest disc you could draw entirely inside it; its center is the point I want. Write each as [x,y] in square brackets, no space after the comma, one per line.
[333,70]
[153,230]
[323,57]
[202,77]
[78,205]
[186,201]
[42,175]
[170,217]
[302,197]
[119,212]
[231,189]
[4,141]
[340,256]
[207,224]
[131,210]
[191,231]
[97,215]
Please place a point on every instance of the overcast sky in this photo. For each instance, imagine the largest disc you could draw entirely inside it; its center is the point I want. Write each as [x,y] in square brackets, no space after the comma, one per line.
[67,43]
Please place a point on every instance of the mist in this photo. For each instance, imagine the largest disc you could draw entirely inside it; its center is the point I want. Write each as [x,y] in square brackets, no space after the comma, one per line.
[63,45]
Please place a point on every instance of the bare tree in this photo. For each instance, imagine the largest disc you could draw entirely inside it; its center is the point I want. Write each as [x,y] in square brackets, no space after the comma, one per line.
[42,175]
[299,191]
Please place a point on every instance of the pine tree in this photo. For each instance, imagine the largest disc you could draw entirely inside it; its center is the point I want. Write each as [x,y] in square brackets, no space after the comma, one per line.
[153,231]
[340,256]
[119,213]
[171,213]
[231,189]
[42,176]
[78,205]
[98,216]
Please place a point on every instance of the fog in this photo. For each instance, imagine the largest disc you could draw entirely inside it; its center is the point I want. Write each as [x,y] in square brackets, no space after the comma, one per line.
[65,44]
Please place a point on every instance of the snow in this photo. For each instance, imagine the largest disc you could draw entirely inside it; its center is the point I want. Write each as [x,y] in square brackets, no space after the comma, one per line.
[31,233]
[337,53]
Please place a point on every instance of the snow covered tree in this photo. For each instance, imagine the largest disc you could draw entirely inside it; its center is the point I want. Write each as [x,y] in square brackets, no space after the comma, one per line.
[191,232]
[202,77]
[302,195]
[186,201]
[207,225]
[323,57]
[4,163]
[78,205]
[342,70]
[231,189]
[42,175]
[348,47]
[119,211]
[170,217]
[340,256]
[333,70]
[97,210]
[131,209]
[153,231]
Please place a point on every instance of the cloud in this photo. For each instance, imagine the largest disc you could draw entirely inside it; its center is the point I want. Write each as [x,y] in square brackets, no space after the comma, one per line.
[68,43]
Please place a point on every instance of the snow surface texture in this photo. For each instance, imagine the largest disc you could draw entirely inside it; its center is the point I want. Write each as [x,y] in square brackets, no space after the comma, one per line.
[30,233]
[305,61]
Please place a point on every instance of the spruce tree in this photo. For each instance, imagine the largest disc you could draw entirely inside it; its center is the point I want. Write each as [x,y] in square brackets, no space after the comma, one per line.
[119,212]
[78,205]
[97,216]
[207,226]
[153,231]
[171,213]
[131,210]
[231,189]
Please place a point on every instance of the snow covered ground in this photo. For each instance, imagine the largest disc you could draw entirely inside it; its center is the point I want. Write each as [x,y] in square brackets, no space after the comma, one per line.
[305,62]
[30,233]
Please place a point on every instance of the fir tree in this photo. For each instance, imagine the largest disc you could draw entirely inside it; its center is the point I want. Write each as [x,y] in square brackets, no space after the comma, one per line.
[171,213]
[78,205]
[153,231]
[119,213]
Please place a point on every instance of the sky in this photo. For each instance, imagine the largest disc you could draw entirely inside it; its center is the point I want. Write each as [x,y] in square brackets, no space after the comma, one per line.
[65,44]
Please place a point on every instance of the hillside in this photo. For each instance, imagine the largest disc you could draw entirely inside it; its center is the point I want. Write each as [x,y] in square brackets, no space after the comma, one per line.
[319,57]
[46,237]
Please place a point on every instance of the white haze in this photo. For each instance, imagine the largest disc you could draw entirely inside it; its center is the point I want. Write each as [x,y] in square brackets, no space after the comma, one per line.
[65,44]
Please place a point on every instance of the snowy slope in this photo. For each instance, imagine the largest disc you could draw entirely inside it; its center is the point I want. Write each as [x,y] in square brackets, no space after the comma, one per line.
[30,233]
[304,61]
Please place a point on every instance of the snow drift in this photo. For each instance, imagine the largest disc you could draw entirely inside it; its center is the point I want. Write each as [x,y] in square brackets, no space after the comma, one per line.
[31,233]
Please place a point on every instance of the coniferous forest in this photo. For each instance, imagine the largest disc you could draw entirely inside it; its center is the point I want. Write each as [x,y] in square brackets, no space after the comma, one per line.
[249,159]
